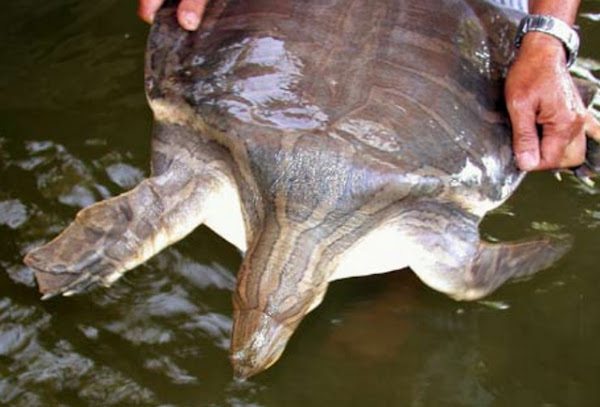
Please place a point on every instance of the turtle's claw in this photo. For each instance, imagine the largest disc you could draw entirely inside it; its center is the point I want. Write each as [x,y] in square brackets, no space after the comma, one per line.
[591,167]
[557,175]
[584,174]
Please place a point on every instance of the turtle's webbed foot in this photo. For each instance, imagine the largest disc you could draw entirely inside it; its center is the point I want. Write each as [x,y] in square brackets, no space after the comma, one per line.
[52,284]
[56,276]
[84,254]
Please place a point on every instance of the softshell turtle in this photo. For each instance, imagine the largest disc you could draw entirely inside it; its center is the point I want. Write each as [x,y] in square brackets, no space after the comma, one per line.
[325,139]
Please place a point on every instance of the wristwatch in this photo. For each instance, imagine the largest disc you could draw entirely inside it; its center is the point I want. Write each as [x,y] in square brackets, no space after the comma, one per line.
[554,27]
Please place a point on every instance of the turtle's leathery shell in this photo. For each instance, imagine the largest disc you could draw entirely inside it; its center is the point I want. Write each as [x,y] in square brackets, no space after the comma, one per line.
[325,139]
[382,80]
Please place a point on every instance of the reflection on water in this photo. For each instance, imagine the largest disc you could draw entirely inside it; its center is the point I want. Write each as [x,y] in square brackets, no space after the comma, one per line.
[74,129]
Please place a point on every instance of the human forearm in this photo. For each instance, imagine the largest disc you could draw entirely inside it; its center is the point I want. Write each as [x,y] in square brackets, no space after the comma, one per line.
[566,10]
[539,91]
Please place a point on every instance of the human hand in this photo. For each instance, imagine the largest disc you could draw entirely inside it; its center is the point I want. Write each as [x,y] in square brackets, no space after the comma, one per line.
[189,12]
[540,91]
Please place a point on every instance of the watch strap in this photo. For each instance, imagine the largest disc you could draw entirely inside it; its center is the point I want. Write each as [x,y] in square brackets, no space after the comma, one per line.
[554,27]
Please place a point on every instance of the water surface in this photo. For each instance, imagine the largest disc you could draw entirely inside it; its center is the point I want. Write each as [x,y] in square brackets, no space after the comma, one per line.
[74,128]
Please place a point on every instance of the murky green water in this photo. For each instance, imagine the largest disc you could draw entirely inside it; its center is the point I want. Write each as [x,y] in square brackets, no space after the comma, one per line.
[74,128]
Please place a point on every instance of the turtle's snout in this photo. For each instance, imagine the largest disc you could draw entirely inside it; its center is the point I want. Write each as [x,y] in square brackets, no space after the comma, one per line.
[258,341]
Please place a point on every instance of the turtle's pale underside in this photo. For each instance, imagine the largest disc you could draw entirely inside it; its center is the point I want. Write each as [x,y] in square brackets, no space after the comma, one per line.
[325,139]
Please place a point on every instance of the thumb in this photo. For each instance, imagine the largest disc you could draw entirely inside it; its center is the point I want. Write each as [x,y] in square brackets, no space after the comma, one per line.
[526,141]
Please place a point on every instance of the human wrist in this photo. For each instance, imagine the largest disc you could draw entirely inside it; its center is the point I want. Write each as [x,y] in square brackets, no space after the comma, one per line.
[538,45]
[565,10]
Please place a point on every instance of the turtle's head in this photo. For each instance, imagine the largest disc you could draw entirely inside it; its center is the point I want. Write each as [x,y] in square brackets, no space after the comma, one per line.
[258,342]
[278,284]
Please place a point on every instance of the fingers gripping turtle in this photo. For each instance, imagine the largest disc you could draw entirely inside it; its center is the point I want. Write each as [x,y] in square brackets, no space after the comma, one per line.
[113,236]
[591,166]
[189,12]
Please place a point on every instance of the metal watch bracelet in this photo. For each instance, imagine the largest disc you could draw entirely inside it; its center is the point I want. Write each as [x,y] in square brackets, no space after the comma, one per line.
[554,27]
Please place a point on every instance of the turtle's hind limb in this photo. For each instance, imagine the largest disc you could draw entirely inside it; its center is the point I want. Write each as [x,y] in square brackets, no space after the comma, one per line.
[455,261]
[496,263]
[113,236]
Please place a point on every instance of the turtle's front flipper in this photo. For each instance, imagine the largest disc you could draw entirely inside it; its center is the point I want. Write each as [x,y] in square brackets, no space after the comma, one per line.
[113,236]
[455,261]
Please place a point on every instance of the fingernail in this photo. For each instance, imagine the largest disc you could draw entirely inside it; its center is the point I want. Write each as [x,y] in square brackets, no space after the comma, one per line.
[190,20]
[527,161]
[147,18]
